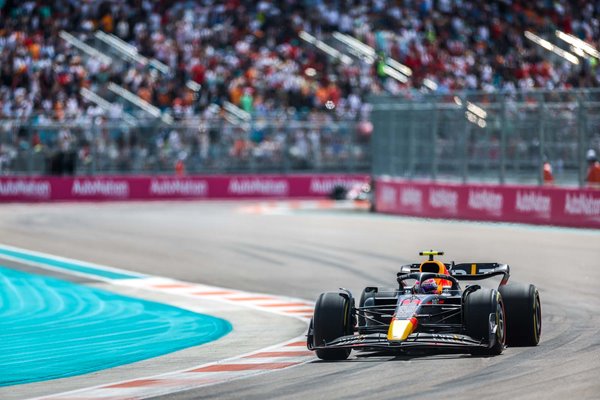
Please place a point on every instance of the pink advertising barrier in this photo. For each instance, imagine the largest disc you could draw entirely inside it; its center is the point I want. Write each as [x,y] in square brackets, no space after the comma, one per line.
[111,188]
[525,204]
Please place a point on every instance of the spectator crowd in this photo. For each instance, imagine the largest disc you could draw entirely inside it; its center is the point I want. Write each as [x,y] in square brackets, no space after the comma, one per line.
[249,52]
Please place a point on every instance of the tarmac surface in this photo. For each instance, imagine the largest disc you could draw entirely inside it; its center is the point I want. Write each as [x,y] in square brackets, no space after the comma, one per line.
[303,253]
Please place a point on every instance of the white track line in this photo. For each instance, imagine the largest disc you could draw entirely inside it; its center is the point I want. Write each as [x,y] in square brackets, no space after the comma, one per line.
[280,356]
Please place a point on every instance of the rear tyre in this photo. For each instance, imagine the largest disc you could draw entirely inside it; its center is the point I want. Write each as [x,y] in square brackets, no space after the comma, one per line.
[332,319]
[523,314]
[478,307]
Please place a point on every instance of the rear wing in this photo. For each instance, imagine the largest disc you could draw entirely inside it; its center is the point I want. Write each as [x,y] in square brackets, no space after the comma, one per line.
[479,271]
[468,271]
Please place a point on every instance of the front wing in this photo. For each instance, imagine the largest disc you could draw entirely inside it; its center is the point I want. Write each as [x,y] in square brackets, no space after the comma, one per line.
[379,341]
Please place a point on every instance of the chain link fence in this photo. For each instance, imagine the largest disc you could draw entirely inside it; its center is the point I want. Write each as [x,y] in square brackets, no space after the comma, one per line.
[482,137]
[115,146]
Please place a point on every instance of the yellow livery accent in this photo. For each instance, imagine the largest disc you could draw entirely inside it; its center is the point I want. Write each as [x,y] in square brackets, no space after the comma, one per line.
[473,269]
[431,253]
[401,328]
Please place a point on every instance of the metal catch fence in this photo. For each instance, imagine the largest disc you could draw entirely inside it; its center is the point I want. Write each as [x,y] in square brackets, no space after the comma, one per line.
[482,137]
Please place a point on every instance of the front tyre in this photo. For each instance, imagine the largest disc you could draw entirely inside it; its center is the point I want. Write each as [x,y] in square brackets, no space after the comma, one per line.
[332,319]
[484,319]
[523,314]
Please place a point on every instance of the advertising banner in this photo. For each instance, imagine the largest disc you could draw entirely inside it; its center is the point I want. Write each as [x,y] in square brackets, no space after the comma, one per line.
[508,203]
[117,188]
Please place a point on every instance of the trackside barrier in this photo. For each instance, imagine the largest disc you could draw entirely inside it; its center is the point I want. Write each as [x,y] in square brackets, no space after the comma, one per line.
[119,188]
[506,203]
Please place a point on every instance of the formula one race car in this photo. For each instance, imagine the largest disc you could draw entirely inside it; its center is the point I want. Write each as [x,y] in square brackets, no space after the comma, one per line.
[429,311]
[359,193]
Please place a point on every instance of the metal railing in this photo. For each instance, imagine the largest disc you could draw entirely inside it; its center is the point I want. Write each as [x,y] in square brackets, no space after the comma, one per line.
[483,137]
[104,146]
[463,137]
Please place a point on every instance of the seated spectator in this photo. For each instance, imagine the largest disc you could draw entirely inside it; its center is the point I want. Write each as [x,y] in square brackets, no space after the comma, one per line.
[249,53]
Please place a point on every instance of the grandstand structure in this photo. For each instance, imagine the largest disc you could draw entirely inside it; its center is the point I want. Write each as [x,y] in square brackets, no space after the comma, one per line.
[123,86]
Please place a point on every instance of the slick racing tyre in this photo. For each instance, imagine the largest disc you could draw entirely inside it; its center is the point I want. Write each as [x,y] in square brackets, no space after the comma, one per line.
[523,314]
[332,319]
[481,308]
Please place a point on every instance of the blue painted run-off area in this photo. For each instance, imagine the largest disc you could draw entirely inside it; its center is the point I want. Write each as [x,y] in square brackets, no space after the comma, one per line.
[68,265]
[51,328]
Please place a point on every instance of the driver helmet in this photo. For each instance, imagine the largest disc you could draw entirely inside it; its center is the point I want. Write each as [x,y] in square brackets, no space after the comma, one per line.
[429,286]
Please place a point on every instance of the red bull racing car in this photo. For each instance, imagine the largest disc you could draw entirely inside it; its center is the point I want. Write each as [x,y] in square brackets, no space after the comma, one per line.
[429,310]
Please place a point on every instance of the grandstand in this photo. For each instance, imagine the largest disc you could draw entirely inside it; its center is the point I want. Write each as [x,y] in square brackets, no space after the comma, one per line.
[97,75]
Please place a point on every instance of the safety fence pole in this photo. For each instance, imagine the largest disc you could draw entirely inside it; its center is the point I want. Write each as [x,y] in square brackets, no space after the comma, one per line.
[503,125]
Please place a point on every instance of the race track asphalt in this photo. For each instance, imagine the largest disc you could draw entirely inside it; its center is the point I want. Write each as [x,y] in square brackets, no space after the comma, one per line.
[303,253]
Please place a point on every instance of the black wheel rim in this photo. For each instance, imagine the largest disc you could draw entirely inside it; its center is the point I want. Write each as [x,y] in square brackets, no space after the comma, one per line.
[501,334]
